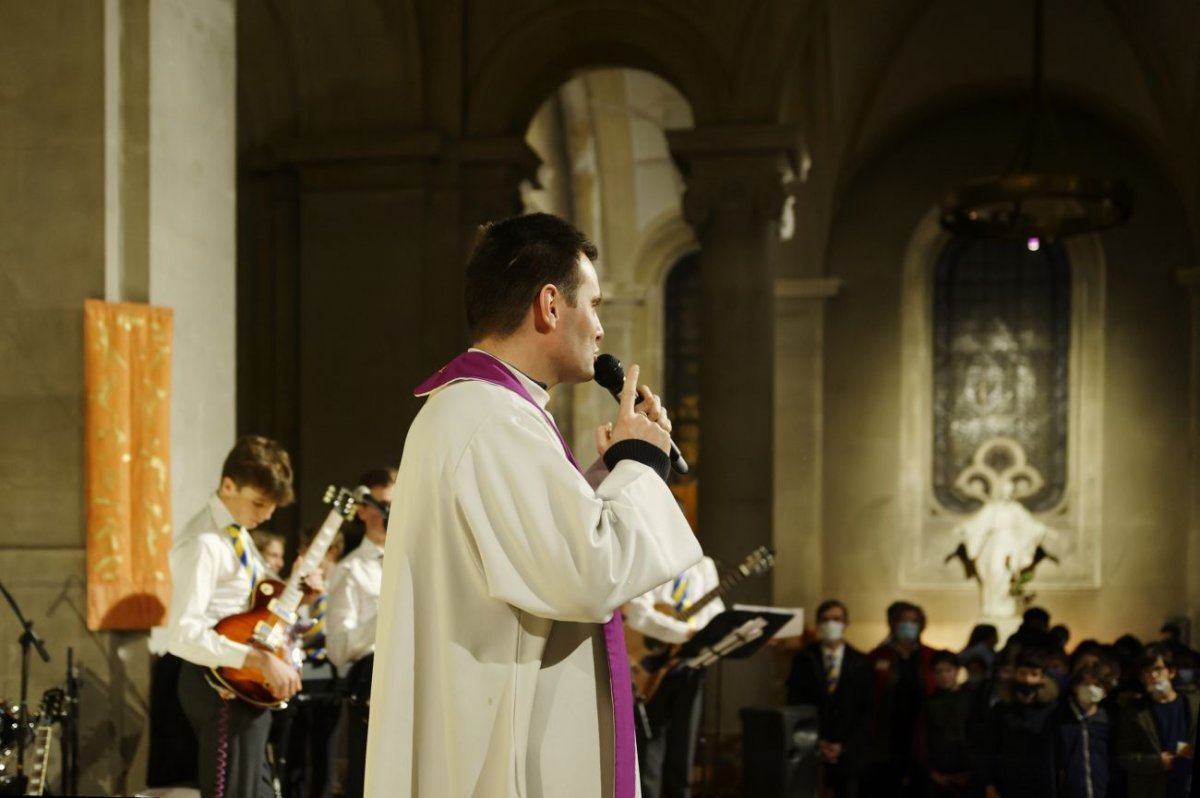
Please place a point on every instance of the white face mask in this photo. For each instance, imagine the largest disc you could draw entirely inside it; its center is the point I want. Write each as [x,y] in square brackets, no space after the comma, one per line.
[1161,687]
[1089,694]
[831,631]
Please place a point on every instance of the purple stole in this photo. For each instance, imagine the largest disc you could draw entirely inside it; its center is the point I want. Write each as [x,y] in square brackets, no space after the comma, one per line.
[479,366]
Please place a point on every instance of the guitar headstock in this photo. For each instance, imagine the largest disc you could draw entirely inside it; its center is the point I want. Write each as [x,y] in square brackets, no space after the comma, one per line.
[53,705]
[341,500]
[759,562]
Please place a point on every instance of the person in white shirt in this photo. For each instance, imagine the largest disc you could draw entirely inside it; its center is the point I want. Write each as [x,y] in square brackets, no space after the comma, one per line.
[213,566]
[502,670]
[667,738]
[353,609]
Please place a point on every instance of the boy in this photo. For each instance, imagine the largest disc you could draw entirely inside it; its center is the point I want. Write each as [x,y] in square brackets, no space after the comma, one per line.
[1019,759]
[946,716]
[1083,734]
[1154,742]
[214,565]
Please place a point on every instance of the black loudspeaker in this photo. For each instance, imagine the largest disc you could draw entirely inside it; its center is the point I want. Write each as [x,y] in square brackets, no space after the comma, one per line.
[779,752]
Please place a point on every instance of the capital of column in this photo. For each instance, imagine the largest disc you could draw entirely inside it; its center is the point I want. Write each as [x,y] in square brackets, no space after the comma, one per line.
[490,173]
[734,171]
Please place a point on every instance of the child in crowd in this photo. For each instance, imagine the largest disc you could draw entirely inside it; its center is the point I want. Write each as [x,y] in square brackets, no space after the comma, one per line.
[946,730]
[1083,734]
[1019,757]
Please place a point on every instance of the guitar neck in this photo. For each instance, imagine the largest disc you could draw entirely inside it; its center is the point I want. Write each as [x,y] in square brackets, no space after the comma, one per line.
[723,587]
[41,759]
[311,561]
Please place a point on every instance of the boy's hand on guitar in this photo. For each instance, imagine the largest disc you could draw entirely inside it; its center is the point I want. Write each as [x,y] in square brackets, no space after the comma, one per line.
[280,678]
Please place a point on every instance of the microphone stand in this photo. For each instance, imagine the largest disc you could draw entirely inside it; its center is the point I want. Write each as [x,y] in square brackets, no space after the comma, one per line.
[28,639]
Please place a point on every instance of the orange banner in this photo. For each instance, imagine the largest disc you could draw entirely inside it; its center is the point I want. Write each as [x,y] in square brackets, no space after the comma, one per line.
[127,430]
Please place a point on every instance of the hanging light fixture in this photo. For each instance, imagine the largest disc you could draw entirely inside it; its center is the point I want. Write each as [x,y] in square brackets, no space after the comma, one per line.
[1023,205]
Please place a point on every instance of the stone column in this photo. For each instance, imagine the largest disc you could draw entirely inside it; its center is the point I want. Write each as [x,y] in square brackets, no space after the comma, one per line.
[799,426]
[733,200]
[1190,278]
[116,182]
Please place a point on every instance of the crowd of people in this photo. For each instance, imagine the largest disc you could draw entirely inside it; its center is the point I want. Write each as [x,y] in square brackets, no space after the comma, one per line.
[1036,717]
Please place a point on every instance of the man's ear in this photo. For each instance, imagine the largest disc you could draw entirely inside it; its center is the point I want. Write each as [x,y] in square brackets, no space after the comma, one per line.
[227,487]
[546,308]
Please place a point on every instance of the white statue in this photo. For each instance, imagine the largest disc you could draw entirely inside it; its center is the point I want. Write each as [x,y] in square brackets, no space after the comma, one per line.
[1001,542]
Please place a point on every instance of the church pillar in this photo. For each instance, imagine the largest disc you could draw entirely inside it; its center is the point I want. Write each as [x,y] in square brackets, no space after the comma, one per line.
[1190,278]
[116,182]
[733,200]
[799,426]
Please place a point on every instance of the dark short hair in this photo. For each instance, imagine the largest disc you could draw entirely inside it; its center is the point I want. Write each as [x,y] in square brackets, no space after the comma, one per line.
[512,260]
[380,477]
[984,633]
[1101,671]
[943,656]
[1036,615]
[1031,658]
[263,464]
[829,604]
[1172,629]
[1152,653]
[898,608]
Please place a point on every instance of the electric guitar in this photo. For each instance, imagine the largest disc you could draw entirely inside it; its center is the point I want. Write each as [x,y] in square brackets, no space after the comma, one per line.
[49,713]
[270,621]
[649,660]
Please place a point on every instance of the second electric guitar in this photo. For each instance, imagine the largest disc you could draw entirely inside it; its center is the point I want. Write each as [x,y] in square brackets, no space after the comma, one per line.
[649,660]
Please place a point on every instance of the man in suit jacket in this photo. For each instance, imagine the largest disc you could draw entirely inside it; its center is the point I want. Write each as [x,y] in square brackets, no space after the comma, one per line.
[835,677]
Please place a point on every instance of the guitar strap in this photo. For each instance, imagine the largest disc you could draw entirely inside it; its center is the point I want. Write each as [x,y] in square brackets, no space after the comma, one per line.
[485,368]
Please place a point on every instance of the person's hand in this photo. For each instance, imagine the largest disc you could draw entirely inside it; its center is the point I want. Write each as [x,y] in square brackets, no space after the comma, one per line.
[281,679]
[313,584]
[991,792]
[634,423]
[1167,760]
[1186,750]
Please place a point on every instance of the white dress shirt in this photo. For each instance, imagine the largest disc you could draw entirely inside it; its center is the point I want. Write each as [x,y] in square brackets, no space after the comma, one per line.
[642,617]
[208,583]
[354,604]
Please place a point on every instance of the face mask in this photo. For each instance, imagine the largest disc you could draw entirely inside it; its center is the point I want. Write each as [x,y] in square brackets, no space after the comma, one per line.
[1185,676]
[1161,687]
[907,631]
[1089,694]
[831,631]
[1027,690]
[974,677]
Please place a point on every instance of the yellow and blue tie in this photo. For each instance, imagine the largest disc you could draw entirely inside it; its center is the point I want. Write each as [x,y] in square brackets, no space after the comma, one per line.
[241,546]
[832,673]
[679,593]
[314,637]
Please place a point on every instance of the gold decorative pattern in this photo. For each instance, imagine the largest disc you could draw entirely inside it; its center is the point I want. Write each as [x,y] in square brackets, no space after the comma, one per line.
[127,429]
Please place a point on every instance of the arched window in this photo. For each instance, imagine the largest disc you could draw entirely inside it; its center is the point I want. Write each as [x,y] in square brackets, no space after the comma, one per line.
[1001,361]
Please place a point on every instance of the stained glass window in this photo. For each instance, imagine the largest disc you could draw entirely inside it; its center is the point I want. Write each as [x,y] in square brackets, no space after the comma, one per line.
[1001,358]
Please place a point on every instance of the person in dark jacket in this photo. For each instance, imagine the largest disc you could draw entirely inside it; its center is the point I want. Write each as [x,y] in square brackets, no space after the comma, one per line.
[1083,735]
[1020,759]
[903,679]
[946,714]
[1154,739]
[835,677]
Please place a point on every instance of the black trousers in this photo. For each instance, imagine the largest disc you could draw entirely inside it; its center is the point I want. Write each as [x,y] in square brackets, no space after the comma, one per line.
[667,756]
[304,737]
[232,739]
[358,696]
[173,746]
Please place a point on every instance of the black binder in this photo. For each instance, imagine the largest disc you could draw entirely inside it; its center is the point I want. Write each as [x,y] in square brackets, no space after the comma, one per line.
[715,637]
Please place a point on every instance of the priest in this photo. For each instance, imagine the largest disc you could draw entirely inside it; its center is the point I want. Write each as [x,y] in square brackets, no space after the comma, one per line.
[500,666]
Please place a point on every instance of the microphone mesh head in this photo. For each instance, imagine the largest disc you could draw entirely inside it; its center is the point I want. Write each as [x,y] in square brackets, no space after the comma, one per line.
[609,373]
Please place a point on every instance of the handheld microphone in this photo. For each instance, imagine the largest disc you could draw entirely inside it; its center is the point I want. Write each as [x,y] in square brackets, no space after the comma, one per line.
[362,495]
[611,376]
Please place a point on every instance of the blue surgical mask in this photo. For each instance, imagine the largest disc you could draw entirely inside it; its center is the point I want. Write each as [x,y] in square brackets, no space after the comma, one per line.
[907,631]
